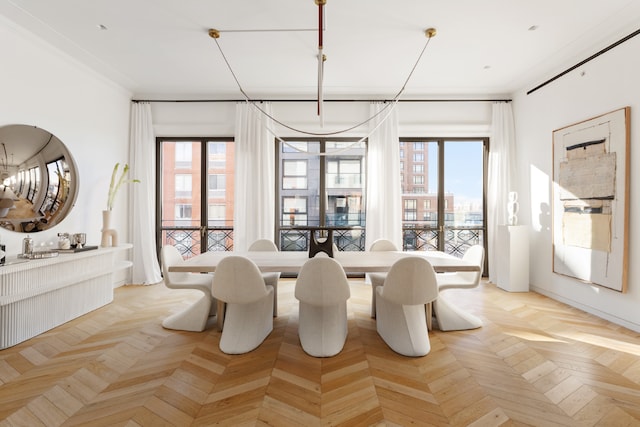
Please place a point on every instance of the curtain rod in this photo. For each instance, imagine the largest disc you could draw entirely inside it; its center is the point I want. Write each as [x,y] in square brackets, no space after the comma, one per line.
[595,55]
[315,100]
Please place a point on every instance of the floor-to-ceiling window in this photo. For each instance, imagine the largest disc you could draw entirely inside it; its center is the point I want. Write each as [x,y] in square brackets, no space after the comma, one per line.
[321,184]
[443,196]
[195,194]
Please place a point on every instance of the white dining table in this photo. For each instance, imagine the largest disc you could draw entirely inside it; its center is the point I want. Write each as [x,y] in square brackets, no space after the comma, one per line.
[352,262]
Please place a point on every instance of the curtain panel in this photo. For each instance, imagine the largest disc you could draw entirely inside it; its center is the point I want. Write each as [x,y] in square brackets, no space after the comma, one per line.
[384,198]
[254,206]
[501,177]
[146,269]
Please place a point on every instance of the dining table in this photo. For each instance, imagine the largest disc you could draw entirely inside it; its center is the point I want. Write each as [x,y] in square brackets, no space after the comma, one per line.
[351,261]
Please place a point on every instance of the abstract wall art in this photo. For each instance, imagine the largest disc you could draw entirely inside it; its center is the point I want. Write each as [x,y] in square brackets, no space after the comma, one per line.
[590,200]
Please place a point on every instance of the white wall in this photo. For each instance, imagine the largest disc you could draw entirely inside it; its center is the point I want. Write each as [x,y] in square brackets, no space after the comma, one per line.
[604,84]
[40,86]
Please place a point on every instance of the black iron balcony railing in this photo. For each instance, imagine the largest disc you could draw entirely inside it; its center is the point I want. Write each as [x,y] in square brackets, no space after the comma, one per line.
[188,240]
[456,239]
[345,238]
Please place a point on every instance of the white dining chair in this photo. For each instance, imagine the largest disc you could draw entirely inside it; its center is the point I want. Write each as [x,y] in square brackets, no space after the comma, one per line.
[400,304]
[448,316]
[322,289]
[248,313]
[195,317]
[377,279]
[270,279]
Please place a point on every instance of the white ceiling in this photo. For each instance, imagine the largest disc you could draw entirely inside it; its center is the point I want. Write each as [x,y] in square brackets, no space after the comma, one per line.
[160,49]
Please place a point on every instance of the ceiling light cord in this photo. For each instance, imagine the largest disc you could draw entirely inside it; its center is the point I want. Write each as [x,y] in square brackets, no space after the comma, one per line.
[388,108]
[390,104]
[320,96]
[230,69]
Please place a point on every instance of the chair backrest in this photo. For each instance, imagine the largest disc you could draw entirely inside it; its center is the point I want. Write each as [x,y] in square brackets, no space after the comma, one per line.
[383,245]
[322,282]
[238,280]
[263,245]
[411,281]
[475,255]
[169,257]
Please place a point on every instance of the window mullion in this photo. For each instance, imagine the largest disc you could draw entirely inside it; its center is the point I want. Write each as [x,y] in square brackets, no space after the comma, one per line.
[204,195]
[441,197]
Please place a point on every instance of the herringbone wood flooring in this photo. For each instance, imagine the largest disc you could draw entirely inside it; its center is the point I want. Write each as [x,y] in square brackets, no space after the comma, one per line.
[534,362]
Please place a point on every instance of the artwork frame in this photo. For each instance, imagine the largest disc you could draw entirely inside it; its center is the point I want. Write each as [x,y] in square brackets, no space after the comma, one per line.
[590,200]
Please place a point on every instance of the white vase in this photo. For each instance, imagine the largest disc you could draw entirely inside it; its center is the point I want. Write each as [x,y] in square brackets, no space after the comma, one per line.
[109,235]
[106,220]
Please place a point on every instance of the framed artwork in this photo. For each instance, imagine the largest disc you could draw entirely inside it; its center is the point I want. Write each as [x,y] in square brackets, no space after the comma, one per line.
[590,200]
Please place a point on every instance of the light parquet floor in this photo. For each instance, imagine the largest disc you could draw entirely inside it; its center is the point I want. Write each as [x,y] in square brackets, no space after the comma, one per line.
[534,362]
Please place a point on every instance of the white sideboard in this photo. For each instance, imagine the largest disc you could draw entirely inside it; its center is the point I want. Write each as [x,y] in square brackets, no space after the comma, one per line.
[39,294]
[513,258]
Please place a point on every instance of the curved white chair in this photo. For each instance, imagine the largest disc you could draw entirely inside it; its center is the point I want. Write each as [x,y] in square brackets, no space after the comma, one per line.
[248,318]
[383,245]
[401,319]
[195,317]
[266,245]
[449,317]
[323,290]
[377,279]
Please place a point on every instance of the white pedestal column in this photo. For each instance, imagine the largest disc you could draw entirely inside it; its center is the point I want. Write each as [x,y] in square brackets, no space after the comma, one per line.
[513,258]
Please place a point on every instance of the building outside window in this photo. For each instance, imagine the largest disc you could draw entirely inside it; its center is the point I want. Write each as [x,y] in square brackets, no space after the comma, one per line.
[217,155]
[184,186]
[319,189]
[217,185]
[446,178]
[183,212]
[410,209]
[217,213]
[294,211]
[195,194]
[294,174]
[183,154]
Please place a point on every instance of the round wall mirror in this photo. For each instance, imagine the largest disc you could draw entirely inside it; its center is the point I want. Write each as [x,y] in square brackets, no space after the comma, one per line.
[38,179]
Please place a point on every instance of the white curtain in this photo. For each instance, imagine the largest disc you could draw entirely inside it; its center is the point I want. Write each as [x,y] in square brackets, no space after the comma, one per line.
[254,208]
[501,177]
[146,269]
[384,198]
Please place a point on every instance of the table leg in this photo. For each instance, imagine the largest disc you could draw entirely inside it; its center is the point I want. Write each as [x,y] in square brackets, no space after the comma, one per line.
[428,311]
[222,306]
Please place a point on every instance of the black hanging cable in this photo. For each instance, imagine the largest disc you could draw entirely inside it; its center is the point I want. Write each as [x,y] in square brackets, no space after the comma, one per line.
[430,33]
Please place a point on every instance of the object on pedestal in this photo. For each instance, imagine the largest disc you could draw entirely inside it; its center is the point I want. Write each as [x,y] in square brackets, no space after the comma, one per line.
[513,207]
